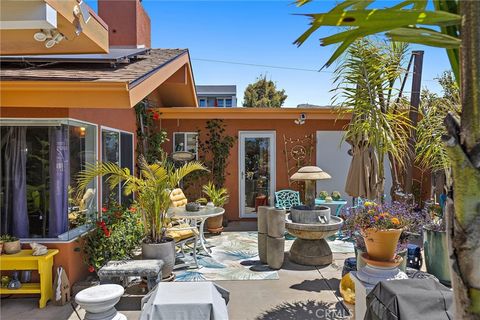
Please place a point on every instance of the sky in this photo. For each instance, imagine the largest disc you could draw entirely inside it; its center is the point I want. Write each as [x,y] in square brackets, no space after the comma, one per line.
[260,33]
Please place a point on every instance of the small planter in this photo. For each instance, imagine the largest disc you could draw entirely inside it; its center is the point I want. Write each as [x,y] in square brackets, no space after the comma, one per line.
[12,247]
[436,254]
[381,244]
[164,251]
[215,224]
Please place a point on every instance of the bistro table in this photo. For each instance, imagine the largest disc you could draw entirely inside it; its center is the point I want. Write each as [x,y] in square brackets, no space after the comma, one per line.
[339,204]
[197,216]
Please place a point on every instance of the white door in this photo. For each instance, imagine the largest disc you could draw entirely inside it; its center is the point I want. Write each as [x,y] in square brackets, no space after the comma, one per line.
[256,171]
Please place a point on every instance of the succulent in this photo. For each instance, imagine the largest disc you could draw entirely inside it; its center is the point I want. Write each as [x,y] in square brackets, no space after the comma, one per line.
[336,195]
[7,238]
[322,195]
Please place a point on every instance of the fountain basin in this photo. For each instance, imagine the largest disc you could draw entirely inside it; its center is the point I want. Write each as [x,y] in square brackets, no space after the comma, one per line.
[314,231]
[304,214]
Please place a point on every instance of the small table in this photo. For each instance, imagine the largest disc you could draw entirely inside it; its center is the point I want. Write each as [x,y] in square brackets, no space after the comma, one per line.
[202,215]
[185,300]
[340,204]
[149,268]
[24,260]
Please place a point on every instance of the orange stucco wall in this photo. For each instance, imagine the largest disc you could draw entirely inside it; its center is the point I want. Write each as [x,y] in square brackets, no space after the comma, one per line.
[233,126]
[122,119]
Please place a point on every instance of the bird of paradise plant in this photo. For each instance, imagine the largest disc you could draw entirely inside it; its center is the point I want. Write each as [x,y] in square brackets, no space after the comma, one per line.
[152,189]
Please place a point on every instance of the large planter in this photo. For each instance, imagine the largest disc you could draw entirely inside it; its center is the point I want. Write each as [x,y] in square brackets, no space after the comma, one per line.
[215,224]
[381,244]
[11,247]
[361,263]
[436,254]
[164,251]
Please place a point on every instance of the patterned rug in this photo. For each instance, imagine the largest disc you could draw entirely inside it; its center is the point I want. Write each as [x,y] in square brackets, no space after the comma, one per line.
[233,255]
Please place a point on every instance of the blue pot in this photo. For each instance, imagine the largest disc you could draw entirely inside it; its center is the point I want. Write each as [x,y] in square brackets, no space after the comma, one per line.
[436,254]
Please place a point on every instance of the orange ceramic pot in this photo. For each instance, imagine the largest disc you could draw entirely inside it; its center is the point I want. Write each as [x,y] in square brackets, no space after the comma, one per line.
[381,244]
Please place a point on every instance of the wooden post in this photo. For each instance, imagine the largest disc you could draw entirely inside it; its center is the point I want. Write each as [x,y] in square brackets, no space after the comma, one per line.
[413,115]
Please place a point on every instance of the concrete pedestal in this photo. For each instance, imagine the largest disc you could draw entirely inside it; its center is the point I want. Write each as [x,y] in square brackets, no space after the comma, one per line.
[311,252]
[362,289]
[262,247]
[275,252]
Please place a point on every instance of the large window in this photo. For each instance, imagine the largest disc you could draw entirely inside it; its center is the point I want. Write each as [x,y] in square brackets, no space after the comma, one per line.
[215,102]
[186,141]
[40,161]
[117,147]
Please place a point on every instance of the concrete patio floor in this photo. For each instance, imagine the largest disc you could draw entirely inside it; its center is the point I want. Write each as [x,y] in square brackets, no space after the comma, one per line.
[301,293]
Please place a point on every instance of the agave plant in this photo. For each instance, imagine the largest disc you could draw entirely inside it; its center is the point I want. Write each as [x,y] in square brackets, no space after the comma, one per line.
[152,189]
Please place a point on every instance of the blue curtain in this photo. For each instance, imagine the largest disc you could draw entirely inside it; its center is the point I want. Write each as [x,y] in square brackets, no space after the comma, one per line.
[15,213]
[59,180]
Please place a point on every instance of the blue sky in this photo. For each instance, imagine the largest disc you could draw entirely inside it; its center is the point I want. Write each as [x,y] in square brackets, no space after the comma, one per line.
[258,32]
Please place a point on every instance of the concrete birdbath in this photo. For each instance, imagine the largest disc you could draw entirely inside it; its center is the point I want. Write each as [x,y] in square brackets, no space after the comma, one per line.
[311,224]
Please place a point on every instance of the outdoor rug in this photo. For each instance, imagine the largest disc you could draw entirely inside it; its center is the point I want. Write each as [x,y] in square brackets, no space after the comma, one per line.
[233,256]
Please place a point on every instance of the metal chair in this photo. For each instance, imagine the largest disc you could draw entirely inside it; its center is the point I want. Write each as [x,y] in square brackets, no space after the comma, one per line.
[286,199]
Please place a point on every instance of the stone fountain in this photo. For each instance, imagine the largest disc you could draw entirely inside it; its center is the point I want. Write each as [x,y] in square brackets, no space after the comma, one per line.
[311,224]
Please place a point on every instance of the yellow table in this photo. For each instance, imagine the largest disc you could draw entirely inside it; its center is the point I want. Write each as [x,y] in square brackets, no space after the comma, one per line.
[25,261]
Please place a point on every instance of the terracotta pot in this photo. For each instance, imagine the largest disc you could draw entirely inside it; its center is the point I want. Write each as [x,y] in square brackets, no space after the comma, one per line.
[215,224]
[381,244]
[11,247]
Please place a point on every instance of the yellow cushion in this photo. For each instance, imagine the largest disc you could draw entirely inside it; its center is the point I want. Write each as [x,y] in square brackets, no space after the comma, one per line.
[179,235]
[347,289]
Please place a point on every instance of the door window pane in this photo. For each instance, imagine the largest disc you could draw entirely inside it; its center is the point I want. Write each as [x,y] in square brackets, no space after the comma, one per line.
[256,173]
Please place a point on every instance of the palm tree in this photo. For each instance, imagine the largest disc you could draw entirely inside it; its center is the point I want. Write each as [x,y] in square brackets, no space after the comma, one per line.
[152,189]
[365,82]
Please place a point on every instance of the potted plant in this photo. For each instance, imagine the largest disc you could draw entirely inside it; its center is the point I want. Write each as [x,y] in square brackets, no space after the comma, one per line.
[377,229]
[219,197]
[435,244]
[152,189]
[336,196]
[322,195]
[11,244]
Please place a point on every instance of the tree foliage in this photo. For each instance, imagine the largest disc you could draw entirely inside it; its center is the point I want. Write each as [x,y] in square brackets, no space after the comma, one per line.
[366,79]
[263,94]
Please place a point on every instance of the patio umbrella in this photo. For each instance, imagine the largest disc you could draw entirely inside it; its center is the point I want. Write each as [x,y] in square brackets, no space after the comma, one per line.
[362,179]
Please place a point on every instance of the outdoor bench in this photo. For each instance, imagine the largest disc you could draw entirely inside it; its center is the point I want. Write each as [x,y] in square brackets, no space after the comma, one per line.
[151,269]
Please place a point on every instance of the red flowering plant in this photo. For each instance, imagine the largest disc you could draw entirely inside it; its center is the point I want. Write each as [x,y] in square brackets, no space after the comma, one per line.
[115,236]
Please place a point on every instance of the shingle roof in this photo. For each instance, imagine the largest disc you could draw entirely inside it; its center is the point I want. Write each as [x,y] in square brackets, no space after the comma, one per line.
[136,69]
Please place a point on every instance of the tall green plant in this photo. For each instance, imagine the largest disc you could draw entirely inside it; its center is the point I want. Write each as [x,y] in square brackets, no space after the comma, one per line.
[150,138]
[152,189]
[215,147]
[365,84]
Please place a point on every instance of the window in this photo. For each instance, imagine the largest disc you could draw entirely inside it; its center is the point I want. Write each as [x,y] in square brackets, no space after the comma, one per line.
[40,161]
[224,102]
[117,147]
[186,141]
[202,102]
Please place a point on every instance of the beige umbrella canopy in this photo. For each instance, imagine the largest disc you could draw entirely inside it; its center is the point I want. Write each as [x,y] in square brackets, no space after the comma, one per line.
[310,173]
[362,180]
